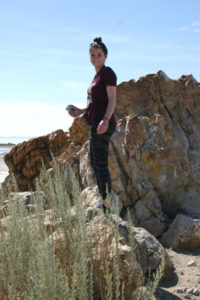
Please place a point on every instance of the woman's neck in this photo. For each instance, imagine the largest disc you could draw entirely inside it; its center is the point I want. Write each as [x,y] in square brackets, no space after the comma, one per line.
[98,69]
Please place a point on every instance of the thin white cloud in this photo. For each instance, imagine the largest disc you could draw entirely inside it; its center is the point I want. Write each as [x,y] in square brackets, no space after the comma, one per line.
[191,27]
[184,28]
[195,23]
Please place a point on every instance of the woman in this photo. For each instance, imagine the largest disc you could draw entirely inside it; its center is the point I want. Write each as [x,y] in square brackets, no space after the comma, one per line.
[99,114]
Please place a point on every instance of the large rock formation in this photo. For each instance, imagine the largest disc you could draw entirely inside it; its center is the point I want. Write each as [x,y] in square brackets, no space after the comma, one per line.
[154,154]
[157,143]
[25,160]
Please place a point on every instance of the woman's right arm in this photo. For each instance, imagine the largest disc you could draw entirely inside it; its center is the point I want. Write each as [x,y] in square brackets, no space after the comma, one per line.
[78,111]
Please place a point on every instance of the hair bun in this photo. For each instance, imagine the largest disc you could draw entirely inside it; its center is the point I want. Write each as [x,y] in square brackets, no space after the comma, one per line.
[97,40]
[97,43]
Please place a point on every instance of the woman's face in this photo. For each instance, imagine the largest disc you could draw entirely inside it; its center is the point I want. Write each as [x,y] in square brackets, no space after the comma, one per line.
[97,58]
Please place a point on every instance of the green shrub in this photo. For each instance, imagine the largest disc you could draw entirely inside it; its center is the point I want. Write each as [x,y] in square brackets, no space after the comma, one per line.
[68,258]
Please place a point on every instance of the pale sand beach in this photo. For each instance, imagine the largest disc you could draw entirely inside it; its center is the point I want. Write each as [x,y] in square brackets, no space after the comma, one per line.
[3,169]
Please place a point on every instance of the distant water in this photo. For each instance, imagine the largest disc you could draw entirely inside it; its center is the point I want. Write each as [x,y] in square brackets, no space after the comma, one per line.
[4,150]
[13,139]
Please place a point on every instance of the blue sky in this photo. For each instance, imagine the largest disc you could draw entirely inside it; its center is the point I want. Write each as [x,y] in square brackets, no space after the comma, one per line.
[44,60]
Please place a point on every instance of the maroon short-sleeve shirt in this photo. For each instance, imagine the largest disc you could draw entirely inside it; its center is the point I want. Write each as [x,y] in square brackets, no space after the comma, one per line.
[97,95]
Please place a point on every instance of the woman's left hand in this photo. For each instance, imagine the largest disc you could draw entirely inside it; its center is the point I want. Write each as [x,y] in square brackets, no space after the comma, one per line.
[103,126]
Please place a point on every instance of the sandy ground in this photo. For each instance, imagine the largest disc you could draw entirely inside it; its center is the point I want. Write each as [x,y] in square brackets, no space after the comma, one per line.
[3,169]
[184,283]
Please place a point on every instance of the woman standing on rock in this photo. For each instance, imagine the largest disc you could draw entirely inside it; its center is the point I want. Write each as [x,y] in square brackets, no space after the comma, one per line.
[99,114]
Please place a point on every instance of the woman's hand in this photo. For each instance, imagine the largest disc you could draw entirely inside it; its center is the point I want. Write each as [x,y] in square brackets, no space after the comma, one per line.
[76,112]
[103,126]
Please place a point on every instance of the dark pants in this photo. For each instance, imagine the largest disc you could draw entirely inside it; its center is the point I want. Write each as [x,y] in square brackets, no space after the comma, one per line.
[99,149]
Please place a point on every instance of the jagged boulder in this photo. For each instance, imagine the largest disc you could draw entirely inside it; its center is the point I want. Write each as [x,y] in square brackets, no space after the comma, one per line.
[154,153]
[183,233]
[157,143]
[133,266]
[25,159]
[150,252]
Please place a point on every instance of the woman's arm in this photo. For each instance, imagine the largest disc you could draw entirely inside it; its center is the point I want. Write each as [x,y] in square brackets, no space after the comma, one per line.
[111,92]
[103,125]
[79,111]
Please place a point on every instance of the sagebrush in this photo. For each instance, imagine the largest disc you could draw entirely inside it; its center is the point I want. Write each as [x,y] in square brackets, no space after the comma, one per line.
[52,248]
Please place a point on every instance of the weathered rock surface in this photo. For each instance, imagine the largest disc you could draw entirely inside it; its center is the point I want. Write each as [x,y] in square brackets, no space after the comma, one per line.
[147,213]
[91,196]
[159,136]
[133,266]
[183,233]
[154,153]
[150,251]
[104,246]
[25,159]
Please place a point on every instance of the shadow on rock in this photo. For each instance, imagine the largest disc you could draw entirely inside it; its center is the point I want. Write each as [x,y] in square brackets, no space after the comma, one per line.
[169,279]
[161,294]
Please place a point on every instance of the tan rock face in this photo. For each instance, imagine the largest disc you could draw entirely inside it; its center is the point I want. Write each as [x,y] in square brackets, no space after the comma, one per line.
[25,159]
[183,233]
[105,246]
[157,142]
[154,153]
